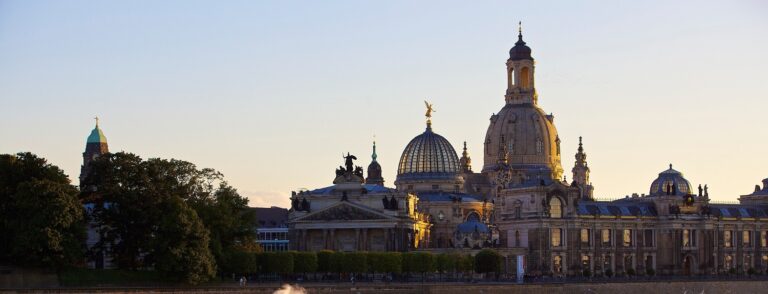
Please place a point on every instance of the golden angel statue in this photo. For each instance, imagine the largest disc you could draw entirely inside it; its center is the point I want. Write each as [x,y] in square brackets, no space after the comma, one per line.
[429,109]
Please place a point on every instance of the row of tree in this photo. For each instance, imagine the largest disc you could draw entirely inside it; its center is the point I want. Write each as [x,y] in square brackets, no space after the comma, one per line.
[156,214]
[292,262]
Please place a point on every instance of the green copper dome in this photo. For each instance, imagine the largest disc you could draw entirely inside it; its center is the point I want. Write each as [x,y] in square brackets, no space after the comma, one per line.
[97,136]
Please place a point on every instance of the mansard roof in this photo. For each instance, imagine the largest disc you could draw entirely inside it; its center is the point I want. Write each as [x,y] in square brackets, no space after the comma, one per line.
[370,188]
[444,196]
[614,208]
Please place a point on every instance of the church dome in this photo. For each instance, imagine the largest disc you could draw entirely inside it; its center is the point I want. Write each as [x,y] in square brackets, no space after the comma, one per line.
[670,182]
[428,154]
[526,138]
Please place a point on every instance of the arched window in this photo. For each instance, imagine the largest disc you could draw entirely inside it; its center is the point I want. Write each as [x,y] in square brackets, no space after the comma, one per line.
[517,239]
[473,216]
[511,78]
[525,78]
[555,208]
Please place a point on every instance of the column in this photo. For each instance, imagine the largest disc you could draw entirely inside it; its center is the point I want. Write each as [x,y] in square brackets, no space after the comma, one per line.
[358,244]
[325,239]
[333,239]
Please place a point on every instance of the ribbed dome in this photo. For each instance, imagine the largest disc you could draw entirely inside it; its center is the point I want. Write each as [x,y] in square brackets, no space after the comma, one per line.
[529,139]
[670,182]
[428,153]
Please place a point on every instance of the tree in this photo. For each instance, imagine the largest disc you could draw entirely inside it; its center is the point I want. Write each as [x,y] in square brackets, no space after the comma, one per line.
[181,246]
[41,219]
[447,262]
[150,212]
[488,261]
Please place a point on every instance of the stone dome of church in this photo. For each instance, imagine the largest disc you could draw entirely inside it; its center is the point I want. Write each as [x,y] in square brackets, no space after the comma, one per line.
[670,182]
[428,154]
[528,137]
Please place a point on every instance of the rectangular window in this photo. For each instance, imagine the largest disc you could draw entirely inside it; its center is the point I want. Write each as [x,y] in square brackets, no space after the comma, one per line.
[746,241]
[728,239]
[435,187]
[689,238]
[585,262]
[627,238]
[606,237]
[585,237]
[556,238]
[763,239]
[648,238]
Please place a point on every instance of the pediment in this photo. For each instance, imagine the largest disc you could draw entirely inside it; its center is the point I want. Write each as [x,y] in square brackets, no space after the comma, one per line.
[344,212]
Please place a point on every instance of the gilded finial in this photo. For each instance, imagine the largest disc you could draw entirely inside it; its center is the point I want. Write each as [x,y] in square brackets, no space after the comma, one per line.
[97,120]
[520,28]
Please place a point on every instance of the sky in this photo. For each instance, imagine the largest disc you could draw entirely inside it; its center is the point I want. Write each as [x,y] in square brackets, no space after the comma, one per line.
[271,93]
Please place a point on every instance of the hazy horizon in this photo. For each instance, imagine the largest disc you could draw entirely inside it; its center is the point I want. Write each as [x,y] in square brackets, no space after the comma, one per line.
[271,93]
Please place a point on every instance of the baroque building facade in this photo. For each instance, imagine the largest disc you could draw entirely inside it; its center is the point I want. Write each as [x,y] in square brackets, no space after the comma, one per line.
[521,204]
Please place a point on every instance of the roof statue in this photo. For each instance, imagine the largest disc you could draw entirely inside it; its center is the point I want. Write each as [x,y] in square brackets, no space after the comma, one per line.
[348,161]
[429,109]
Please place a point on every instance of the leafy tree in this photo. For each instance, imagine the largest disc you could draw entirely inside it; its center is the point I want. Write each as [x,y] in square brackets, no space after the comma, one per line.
[487,261]
[141,204]
[181,246]
[41,219]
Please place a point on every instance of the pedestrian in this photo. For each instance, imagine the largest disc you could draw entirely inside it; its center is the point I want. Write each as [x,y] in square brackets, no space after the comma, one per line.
[352,279]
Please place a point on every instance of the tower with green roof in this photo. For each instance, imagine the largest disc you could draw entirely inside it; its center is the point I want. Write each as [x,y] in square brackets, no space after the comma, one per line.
[94,147]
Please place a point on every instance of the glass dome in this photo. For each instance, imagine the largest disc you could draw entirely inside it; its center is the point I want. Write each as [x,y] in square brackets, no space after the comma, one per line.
[670,182]
[428,153]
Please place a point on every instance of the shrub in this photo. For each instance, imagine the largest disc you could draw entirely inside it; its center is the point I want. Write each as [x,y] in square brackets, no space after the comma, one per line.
[355,262]
[650,272]
[238,261]
[324,261]
[488,261]
[586,273]
[418,262]
[751,271]
[304,262]
[466,263]
[631,272]
[609,273]
[447,262]
[278,262]
[384,262]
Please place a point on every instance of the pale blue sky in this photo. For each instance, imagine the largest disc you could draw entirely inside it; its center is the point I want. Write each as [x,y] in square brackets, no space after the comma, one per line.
[271,93]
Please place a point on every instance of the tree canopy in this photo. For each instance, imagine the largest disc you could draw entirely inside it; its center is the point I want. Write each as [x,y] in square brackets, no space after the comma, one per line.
[167,214]
[40,215]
